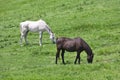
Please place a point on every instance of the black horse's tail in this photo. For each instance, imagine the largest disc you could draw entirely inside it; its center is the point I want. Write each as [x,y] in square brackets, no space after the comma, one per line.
[57,56]
[58,49]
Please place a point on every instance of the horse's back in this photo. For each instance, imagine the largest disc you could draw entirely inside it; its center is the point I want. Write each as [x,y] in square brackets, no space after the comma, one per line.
[40,23]
[34,26]
[81,42]
[66,43]
[71,44]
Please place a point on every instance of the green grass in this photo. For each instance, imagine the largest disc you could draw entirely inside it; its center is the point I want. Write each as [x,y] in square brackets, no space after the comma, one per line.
[96,21]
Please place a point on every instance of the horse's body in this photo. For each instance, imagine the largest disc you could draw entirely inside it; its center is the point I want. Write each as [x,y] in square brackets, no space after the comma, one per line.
[71,45]
[35,26]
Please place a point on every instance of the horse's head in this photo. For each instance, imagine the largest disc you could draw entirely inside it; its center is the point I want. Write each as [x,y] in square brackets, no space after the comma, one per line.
[90,58]
[52,37]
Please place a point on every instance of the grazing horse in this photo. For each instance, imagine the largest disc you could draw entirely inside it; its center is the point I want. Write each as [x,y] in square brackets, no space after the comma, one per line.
[71,45]
[35,26]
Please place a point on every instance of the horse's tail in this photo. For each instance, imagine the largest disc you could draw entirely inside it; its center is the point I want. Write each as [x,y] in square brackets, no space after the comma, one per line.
[20,27]
[24,25]
[58,50]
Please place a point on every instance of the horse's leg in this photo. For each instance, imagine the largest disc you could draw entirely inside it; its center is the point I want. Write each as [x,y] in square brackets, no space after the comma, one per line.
[77,57]
[26,37]
[57,55]
[24,32]
[21,38]
[40,41]
[62,54]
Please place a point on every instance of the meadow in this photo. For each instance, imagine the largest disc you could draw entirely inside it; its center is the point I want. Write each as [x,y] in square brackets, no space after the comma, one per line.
[96,21]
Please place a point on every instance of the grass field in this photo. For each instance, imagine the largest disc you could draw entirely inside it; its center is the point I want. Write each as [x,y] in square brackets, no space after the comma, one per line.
[96,21]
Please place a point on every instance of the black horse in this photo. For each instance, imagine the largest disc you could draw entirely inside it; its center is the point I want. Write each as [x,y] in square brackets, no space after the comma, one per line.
[71,45]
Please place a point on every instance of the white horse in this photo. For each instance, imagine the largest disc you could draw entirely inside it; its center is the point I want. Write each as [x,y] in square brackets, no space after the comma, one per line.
[35,26]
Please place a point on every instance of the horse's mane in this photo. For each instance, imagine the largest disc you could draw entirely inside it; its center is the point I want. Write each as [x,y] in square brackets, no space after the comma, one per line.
[48,28]
[88,49]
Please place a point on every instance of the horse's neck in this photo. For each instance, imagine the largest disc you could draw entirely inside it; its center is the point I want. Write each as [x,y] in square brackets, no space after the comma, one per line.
[48,29]
[49,32]
[88,50]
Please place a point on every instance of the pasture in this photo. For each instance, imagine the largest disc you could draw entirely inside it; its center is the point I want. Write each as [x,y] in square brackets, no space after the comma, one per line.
[96,21]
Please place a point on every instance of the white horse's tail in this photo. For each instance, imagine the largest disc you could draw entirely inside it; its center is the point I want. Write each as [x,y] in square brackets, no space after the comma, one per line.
[24,25]
[20,27]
